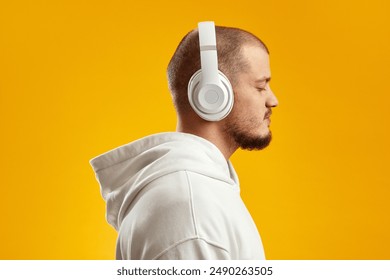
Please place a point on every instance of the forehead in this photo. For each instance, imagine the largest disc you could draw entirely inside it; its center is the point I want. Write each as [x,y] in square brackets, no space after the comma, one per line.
[257,60]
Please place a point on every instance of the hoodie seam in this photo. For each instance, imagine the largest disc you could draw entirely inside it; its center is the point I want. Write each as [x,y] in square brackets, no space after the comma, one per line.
[190,239]
[193,216]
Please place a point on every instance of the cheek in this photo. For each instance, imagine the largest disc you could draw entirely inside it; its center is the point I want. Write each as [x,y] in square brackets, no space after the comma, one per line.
[247,115]
[252,105]
[249,103]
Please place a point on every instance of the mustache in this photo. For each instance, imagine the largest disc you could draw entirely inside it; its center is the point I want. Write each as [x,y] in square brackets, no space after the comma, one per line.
[268,114]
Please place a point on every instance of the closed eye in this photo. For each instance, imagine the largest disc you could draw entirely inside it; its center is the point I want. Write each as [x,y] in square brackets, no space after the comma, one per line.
[261,89]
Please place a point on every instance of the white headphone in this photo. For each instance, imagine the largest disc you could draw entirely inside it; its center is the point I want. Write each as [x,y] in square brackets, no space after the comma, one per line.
[209,90]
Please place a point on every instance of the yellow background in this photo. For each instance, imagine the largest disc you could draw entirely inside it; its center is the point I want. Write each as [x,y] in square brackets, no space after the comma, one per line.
[78,78]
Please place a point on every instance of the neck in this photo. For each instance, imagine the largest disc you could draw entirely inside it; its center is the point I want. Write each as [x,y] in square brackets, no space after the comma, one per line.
[212,132]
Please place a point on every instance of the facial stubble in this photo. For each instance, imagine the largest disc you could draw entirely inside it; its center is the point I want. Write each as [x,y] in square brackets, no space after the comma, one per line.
[242,137]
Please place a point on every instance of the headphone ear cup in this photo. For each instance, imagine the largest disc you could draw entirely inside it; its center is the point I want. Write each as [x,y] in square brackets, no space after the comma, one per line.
[212,102]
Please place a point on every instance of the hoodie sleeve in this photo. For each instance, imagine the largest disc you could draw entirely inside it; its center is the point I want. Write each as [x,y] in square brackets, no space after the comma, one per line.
[194,249]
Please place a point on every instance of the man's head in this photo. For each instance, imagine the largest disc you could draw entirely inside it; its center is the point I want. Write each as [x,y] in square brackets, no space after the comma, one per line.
[243,58]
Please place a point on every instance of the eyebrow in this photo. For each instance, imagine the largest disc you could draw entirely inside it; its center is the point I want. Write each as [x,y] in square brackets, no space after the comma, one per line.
[264,79]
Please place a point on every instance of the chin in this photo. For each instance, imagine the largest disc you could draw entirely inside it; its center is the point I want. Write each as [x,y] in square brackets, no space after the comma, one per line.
[257,142]
[256,138]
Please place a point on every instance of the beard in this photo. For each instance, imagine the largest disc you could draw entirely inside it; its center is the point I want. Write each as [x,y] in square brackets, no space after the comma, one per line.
[245,140]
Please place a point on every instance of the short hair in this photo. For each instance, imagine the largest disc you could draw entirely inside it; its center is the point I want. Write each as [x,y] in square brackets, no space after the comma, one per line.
[186,60]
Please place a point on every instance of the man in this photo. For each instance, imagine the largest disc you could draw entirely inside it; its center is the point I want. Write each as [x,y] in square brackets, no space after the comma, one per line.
[176,195]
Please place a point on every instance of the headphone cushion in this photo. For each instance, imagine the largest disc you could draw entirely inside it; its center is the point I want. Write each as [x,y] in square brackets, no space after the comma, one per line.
[212,102]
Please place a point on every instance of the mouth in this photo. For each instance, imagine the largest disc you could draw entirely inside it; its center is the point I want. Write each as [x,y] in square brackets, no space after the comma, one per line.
[268,115]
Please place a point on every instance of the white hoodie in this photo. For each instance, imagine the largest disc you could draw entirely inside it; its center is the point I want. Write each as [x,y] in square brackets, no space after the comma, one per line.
[174,196]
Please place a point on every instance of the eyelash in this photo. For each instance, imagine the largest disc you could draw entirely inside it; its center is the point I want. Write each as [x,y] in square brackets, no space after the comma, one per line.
[261,89]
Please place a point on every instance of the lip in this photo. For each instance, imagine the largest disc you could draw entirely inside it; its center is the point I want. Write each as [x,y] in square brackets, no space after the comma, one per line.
[268,115]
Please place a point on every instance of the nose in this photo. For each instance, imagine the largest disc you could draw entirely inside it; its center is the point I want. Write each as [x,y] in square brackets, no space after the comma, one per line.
[272,101]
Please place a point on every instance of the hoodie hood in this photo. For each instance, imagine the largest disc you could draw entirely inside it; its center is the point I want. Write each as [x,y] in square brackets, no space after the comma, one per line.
[123,172]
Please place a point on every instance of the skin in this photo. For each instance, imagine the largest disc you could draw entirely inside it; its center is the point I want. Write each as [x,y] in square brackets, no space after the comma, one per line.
[247,125]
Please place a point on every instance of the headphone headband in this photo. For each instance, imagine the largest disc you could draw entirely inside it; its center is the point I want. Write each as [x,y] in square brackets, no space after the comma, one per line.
[208,53]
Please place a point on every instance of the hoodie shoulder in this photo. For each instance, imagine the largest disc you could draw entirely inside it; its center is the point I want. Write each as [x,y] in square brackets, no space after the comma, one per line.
[159,218]
[177,212]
